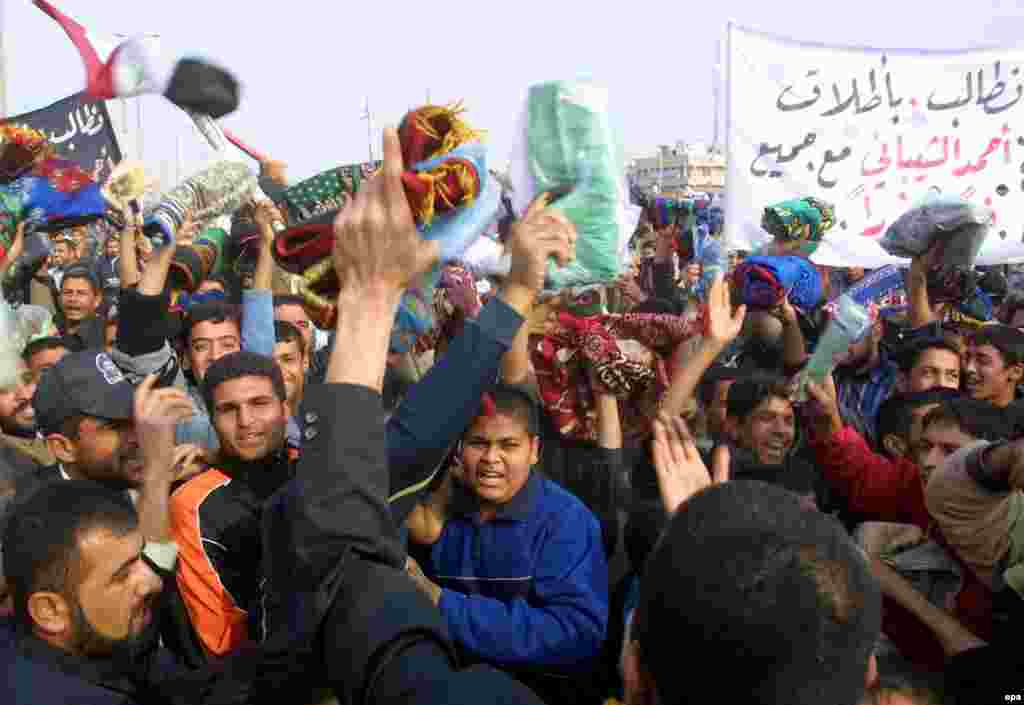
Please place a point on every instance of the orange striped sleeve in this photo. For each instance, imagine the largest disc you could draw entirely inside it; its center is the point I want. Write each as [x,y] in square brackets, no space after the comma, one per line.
[218,620]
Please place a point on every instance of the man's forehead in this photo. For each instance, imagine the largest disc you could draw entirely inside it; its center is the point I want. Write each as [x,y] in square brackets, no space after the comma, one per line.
[104,552]
[984,349]
[499,425]
[776,405]
[242,388]
[935,355]
[215,329]
[947,432]
[290,310]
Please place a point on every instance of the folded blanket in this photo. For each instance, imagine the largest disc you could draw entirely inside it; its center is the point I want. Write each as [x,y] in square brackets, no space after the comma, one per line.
[54,194]
[763,280]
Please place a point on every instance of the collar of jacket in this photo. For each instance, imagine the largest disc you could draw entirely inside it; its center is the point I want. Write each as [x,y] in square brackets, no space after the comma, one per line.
[519,508]
[263,476]
[121,674]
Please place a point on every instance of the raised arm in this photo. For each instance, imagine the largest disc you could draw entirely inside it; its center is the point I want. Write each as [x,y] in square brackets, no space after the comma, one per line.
[340,493]
[723,325]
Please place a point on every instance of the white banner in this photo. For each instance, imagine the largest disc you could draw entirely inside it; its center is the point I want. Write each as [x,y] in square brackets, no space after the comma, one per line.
[872,131]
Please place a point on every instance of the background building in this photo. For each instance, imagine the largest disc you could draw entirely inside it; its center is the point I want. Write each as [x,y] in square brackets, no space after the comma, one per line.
[680,170]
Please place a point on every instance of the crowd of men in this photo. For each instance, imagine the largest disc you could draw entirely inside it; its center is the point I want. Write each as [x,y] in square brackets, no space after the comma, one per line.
[224,503]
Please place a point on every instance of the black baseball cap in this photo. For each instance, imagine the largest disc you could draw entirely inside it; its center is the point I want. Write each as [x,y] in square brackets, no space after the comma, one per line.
[83,384]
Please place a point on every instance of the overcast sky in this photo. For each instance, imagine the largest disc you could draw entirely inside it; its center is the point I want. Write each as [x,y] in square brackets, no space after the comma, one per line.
[306,65]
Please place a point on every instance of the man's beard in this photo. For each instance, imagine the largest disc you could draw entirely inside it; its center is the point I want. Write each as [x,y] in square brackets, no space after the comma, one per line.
[126,652]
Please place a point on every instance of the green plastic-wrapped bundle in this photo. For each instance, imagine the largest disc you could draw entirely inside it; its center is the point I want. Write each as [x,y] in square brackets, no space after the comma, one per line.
[570,146]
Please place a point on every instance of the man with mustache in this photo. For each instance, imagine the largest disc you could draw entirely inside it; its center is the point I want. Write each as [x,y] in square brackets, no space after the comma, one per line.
[22,447]
[761,425]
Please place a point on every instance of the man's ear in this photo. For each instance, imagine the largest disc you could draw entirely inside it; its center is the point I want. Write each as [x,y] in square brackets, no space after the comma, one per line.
[871,676]
[49,612]
[535,450]
[894,445]
[1016,373]
[636,680]
[63,448]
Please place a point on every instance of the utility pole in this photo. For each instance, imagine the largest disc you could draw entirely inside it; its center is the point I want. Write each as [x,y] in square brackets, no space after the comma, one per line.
[369,126]
[3,66]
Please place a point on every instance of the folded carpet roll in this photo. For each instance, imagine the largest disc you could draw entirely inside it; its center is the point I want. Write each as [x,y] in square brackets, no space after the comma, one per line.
[220,189]
[452,195]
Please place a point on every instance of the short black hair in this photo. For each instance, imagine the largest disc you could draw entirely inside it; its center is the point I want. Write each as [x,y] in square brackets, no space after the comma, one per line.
[746,394]
[289,300]
[43,534]
[1007,340]
[910,354]
[212,311]
[285,332]
[79,271]
[714,375]
[976,418]
[242,364]
[512,400]
[895,414]
[792,576]
[71,344]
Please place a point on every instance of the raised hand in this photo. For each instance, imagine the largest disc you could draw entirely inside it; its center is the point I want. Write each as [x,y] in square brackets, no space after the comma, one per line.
[681,471]
[157,412]
[724,323]
[377,245]
[541,234]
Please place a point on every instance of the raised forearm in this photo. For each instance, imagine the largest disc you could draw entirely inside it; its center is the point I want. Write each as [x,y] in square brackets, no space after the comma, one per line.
[515,365]
[364,321]
[688,377]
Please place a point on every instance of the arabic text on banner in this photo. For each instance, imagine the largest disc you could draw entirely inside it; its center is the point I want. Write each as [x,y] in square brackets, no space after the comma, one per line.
[80,130]
[873,131]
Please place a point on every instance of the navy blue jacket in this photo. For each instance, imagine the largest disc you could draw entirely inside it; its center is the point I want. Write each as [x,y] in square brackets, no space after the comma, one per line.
[530,587]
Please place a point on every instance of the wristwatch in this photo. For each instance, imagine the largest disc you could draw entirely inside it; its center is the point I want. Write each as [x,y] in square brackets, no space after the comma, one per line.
[162,557]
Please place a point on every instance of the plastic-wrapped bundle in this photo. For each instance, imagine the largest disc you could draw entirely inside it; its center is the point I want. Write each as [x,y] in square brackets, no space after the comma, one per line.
[218,190]
[951,219]
[960,226]
[762,281]
[566,145]
[849,324]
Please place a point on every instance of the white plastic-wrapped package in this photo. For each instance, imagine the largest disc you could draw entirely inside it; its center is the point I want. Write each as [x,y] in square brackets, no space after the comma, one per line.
[565,144]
